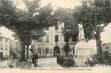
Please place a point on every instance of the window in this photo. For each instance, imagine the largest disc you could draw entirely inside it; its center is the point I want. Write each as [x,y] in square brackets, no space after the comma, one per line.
[47,38]
[0,39]
[56,38]
[56,27]
[66,38]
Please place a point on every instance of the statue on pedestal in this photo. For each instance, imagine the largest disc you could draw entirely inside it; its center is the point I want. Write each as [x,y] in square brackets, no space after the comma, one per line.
[81,37]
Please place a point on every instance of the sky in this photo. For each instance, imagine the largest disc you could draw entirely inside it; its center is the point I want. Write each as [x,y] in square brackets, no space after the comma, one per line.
[55,3]
[62,3]
[105,35]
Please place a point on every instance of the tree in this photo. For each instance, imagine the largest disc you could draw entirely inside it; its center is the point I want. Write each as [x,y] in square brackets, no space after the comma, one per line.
[23,22]
[94,15]
[7,12]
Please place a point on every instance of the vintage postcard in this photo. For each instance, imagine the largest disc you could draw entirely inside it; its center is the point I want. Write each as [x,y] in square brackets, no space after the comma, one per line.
[55,36]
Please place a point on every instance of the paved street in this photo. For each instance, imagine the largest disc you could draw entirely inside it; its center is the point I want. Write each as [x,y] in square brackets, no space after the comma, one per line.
[4,64]
[48,63]
[44,63]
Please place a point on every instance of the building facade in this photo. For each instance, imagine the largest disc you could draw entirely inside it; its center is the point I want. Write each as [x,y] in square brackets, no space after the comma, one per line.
[4,47]
[7,45]
[53,37]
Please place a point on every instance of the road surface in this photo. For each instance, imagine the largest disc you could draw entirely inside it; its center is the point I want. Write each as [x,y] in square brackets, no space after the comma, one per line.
[43,63]
[48,63]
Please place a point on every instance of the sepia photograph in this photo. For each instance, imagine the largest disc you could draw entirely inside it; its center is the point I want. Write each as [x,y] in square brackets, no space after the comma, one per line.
[55,35]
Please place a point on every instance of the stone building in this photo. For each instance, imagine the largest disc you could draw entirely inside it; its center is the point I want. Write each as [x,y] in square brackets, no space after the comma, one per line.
[7,44]
[53,37]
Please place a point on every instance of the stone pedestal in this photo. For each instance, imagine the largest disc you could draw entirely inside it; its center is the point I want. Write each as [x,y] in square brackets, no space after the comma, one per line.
[83,51]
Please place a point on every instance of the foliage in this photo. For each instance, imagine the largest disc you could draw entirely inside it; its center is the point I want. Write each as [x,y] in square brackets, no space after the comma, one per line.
[94,16]
[26,21]
[22,21]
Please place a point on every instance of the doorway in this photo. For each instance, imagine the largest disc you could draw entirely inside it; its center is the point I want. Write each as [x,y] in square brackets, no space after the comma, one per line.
[1,55]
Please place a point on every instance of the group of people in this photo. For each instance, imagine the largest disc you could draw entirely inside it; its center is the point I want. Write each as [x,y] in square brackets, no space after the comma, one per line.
[13,55]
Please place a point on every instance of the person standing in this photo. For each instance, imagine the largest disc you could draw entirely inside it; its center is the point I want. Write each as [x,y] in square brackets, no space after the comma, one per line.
[35,58]
[56,50]
[11,55]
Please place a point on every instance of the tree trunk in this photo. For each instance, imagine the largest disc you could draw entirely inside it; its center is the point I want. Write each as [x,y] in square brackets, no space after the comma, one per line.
[25,38]
[99,48]
[27,52]
[22,56]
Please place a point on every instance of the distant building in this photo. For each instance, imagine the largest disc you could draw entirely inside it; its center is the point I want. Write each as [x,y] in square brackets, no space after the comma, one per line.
[7,45]
[4,47]
[54,37]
